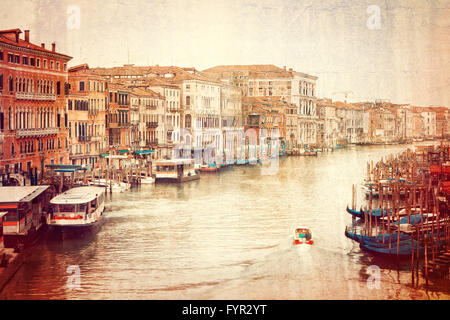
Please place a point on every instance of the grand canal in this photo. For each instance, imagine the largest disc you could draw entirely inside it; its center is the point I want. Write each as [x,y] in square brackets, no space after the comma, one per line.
[226,236]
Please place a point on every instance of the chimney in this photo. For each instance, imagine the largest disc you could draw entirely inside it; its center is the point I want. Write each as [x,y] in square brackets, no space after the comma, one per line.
[17,37]
[43,45]
[53,47]
[27,35]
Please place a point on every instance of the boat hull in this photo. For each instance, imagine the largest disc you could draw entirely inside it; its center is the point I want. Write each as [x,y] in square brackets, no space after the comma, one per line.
[73,231]
[178,180]
[297,241]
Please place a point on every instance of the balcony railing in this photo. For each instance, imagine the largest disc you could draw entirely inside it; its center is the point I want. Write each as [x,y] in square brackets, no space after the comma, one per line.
[84,139]
[97,138]
[152,124]
[35,96]
[36,132]
[151,142]
[119,124]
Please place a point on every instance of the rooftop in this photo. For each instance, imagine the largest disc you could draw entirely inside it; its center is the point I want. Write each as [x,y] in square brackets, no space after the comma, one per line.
[20,193]
[10,36]
[78,195]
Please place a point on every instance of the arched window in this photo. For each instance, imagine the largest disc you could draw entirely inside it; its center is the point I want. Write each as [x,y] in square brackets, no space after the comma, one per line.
[11,84]
[188,121]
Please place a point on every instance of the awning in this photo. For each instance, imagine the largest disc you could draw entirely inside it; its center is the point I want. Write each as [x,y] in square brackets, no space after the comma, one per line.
[70,170]
[104,155]
[123,151]
[144,152]
[63,166]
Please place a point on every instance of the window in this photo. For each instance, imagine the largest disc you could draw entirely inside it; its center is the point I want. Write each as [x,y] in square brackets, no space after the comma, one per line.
[17,59]
[45,64]
[1,82]
[2,120]
[65,66]
[11,84]
[57,66]
[188,100]
[25,61]
[81,85]
[38,62]
[1,55]
[58,88]
[32,62]
[52,65]
[10,58]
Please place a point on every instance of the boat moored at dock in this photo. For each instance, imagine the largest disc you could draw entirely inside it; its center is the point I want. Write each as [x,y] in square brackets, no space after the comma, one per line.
[176,170]
[77,209]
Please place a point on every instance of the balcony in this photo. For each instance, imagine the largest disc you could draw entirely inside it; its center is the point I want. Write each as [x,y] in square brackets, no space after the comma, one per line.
[36,132]
[118,125]
[84,139]
[152,124]
[35,96]
[152,142]
[174,110]
[97,138]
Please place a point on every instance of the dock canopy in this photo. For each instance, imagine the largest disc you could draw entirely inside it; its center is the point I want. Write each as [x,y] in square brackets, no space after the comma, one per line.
[63,166]
[20,193]
[174,162]
[71,168]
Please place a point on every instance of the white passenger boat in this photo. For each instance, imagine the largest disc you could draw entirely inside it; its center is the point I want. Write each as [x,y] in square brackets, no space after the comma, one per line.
[77,209]
[114,185]
[176,170]
[147,180]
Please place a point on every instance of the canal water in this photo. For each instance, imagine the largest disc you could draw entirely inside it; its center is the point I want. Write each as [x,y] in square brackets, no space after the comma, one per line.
[226,236]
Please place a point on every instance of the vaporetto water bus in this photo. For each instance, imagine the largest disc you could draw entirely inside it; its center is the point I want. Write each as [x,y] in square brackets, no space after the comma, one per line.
[176,170]
[77,209]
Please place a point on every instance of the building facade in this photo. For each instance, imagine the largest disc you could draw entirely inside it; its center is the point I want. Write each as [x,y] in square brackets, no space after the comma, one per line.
[87,107]
[33,116]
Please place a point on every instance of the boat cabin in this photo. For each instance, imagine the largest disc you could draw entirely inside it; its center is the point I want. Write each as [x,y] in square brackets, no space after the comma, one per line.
[25,212]
[78,205]
[177,170]
[303,235]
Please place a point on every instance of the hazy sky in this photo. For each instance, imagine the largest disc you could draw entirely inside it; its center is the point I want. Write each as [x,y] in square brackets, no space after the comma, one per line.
[405,60]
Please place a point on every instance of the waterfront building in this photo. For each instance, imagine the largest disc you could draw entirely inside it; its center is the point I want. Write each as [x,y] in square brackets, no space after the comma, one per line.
[87,106]
[404,123]
[231,125]
[266,116]
[442,121]
[382,125]
[33,118]
[327,124]
[418,128]
[148,117]
[303,94]
[118,118]
[428,117]
[269,80]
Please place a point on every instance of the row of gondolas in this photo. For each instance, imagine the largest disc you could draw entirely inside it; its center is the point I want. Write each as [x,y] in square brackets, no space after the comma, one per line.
[394,232]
